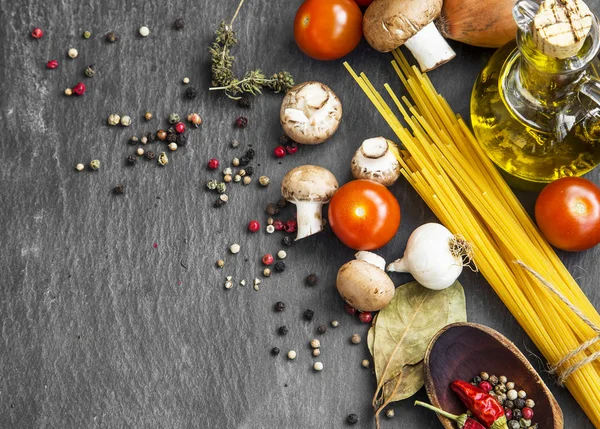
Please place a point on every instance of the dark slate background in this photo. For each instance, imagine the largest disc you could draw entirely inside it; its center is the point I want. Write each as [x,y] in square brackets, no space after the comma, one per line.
[100,329]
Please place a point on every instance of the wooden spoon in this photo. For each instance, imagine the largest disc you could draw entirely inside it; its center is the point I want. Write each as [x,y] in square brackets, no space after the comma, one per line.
[463,350]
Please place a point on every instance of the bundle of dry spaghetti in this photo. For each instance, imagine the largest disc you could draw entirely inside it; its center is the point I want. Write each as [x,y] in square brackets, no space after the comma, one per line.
[442,160]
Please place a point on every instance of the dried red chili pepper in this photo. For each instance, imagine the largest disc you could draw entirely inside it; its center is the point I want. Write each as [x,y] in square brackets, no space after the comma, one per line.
[463,421]
[483,406]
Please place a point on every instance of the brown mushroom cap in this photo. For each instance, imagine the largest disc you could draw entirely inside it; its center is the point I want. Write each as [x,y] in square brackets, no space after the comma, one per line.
[387,24]
[309,183]
[364,286]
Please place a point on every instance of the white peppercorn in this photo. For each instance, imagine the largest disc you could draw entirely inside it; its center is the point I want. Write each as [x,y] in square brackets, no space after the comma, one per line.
[228,284]
[144,140]
[125,120]
[68,92]
[318,366]
[390,414]
[529,403]
[173,146]
[72,53]
[114,119]
[502,379]
[335,323]
[186,80]
[315,343]
[144,31]
[139,151]
[247,180]
[235,248]
[270,229]
[227,178]
[235,162]
[355,339]
[220,263]
[316,352]
[365,363]
[512,394]
[281,254]
[510,385]
[237,178]
[79,167]
[291,355]
[264,180]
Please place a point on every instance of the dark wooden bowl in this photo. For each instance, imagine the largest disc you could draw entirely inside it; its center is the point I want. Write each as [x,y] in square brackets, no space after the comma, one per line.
[463,350]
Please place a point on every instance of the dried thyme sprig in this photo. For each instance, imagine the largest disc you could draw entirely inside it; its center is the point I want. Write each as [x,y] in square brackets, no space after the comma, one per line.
[223,77]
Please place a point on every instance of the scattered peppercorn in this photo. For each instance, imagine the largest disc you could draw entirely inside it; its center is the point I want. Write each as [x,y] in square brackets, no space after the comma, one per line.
[253,226]
[288,241]
[180,128]
[79,167]
[86,34]
[179,24]
[68,92]
[220,263]
[520,403]
[234,248]
[349,309]
[182,140]
[195,119]
[355,339]
[278,225]
[191,92]
[529,403]
[227,178]
[312,279]
[237,178]
[270,229]
[37,33]
[315,343]
[282,254]
[275,351]
[517,414]
[79,89]
[279,152]
[144,31]
[95,164]
[132,159]
[390,414]
[267,272]
[283,330]
[224,198]
[290,226]
[316,352]
[250,153]
[291,148]
[279,306]
[114,119]
[221,187]
[291,355]
[365,363]
[486,387]
[139,151]
[241,122]
[335,323]
[72,53]
[148,116]
[272,209]
[235,143]
[493,380]
[352,419]
[365,316]
[245,102]
[112,37]
[280,266]
[213,163]
[484,376]
[172,146]
[284,140]
[318,366]
[171,135]
[308,315]
[161,135]
[263,180]
[89,71]
[174,118]
[150,155]
[125,119]
[119,189]
[247,180]
[52,64]
[163,159]
[322,329]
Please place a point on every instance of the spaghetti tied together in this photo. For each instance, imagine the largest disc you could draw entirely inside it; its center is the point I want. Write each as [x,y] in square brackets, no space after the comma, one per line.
[442,160]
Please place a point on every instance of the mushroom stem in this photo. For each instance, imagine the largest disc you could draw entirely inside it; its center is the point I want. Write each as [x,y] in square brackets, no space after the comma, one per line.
[430,48]
[398,266]
[309,218]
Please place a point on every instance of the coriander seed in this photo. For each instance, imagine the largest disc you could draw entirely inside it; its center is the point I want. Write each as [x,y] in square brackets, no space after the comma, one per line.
[163,159]
[139,151]
[242,172]
[291,355]
[86,34]
[174,118]
[220,263]
[173,146]
[234,248]
[335,323]
[270,229]
[89,71]
[522,394]
[72,53]
[211,184]
[221,187]
[316,352]
[264,180]
[79,167]
[114,119]
[247,180]
[315,343]
[126,121]
[355,339]
[365,363]
[318,366]
[95,164]
[267,272]
[148,116]
[144,31]
[68,92]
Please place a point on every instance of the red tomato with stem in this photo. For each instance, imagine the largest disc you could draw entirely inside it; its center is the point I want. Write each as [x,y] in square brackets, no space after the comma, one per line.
[567,212]
[328,29]
[364,215]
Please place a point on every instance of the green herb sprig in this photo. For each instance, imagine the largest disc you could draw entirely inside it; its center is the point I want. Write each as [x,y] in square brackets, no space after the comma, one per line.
[253,81]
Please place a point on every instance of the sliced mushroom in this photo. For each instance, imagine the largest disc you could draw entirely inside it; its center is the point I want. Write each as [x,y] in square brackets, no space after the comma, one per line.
[375,161]
[363,284]
[309,187]
[310,113]
[388,24]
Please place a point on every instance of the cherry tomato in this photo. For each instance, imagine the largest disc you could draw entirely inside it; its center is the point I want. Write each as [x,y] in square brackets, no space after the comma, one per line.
[328,29]
[363,3]
[567,212]
[364,215]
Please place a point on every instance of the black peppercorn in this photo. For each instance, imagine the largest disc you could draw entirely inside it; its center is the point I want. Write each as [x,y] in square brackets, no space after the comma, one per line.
[477,379]
[517,414]
[219,203]
[282,203]
[132,159]
[283,330]
[171,137]
[241,122]
[322,329]
[244,161]
[191,92]
[119,189]
[250,153]
[519,403]
[244,102]
[151,137]
[275,351]
[179,24]
[150,154]
[312,279]
[288,241]
[182,140]
[308,315]
[279,266]
[284,140]
[249,171]
[279,306]
[352,419]
[112,37]
[272,209]
[509,404]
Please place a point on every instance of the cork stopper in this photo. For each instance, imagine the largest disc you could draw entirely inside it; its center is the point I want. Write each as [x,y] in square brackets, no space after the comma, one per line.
[560,27]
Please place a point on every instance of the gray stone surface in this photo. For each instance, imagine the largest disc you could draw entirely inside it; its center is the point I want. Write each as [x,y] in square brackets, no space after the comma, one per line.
[100,329]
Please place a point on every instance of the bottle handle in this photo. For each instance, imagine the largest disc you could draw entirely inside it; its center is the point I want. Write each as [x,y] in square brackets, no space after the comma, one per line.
[524,12]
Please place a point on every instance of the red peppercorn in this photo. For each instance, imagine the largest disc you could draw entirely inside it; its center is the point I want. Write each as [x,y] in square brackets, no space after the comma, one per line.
[241,122]
[292,148]
[485,386]
[278,224]
[267,259]
[349,309]
[79,89]
[213,163]
[253,226]
[279,152]
[508,413]
[52,64]
[290,226]
[180,127]
[527,413]
[365,316]
[37,33]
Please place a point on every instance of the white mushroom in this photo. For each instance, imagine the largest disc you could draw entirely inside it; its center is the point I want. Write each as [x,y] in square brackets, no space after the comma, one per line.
[388,24]
[308,187]
[310,113]
[375,161]
[363,284]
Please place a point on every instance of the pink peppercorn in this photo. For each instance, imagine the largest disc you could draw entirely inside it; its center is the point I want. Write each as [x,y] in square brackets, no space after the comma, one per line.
[267,259]
[180,127]
[349,309]
[485,386]
[79,89]
[52,64]
[508,413]
[290,226]
[213,164]
[527,413]
[279,152]
[365,316]
[253,226]
[292,148]
[37,33]
[278,224]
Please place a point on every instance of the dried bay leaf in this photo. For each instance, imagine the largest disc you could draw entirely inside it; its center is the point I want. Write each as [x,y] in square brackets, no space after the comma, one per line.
[405,384]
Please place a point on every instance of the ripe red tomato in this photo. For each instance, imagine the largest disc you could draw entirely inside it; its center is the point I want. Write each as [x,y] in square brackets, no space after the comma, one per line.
[364,215]
[567,212]
[328,29]
[363,3]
